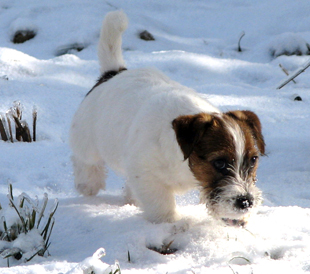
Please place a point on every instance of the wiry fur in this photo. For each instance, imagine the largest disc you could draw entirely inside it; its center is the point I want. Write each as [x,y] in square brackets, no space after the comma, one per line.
[164,138]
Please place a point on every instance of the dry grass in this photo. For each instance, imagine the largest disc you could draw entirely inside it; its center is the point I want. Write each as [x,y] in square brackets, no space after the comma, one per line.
[21,131]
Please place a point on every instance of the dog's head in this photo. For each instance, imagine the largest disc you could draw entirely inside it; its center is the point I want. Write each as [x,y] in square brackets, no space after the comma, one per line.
[223,152]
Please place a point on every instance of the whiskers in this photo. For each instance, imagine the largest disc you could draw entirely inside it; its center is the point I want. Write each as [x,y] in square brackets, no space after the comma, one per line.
[224,200]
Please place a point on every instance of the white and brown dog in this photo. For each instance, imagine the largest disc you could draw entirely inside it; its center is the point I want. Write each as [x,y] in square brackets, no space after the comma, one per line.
[164,138]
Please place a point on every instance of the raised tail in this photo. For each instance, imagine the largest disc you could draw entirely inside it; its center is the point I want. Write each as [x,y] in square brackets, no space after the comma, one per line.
[110,42]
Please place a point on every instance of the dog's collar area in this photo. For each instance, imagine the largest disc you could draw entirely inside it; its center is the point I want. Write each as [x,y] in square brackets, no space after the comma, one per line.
[106,77]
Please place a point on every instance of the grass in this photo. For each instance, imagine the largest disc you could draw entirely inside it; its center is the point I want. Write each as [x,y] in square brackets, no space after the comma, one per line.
[32,224]
[14,117]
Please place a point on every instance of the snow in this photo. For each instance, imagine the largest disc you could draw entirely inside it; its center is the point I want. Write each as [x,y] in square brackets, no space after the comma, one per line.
[289,44]
[196,44]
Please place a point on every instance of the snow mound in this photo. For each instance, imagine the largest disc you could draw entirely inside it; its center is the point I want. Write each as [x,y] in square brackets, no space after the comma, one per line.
[289,44]
[94,265]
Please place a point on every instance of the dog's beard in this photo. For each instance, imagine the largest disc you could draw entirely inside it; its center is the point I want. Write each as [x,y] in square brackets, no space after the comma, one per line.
[222,202]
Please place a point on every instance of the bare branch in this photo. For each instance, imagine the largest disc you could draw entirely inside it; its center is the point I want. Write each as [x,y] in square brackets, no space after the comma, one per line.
[239,45]
[286,72]
[294,75]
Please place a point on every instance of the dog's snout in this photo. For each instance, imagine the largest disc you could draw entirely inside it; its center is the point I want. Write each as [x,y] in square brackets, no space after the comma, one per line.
[244,202]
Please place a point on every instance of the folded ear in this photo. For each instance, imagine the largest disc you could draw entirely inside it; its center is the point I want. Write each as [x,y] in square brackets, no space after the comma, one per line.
[251,119]
[189,129]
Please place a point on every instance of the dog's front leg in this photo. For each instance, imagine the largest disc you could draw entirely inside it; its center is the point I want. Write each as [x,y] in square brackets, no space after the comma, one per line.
[155,198]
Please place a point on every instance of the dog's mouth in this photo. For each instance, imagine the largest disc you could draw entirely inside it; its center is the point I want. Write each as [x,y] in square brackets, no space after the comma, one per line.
[234,222]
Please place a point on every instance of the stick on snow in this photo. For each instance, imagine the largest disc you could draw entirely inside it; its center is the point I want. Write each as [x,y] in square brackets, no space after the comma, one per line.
[286,72]
[294,75]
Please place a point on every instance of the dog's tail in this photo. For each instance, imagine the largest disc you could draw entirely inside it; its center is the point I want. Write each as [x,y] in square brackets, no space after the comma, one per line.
[110,42]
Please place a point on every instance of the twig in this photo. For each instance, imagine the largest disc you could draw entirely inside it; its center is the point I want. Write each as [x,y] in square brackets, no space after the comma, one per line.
[5,233]
[35,252]
[232,269]
[22,131]
[49,235]
[11,192]
[4,136]
[240,257]
[34,116]
[18,128]
[45,199]
[45,230]
[241,36]
[27,135]
[286,72]
[294,75]
[18,109]
[20,216]
[10,127]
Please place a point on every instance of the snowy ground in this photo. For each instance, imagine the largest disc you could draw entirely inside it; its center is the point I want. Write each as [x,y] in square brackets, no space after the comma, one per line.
[195,44]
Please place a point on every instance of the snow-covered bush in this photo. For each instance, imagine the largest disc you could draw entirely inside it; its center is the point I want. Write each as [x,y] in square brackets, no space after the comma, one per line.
[289,44]
[24,229]
[94,265]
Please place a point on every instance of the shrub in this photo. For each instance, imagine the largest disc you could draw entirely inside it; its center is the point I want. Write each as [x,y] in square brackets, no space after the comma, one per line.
[24,230]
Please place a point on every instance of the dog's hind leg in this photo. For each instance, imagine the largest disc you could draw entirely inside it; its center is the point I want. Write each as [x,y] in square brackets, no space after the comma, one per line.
[89,178]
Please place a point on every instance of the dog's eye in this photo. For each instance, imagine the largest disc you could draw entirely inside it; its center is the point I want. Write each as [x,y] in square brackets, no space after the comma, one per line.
[253,161]
[220,165]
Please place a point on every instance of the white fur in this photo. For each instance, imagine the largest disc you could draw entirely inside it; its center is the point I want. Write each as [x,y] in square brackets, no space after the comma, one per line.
[238,139]
[223,205]
[110,41]
[126,123]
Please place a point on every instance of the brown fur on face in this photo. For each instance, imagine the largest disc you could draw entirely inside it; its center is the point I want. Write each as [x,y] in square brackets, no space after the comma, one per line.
[251,120]
[222,151]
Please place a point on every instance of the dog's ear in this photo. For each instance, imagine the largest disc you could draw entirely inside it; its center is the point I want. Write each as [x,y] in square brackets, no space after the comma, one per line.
[251,119]
[189,129]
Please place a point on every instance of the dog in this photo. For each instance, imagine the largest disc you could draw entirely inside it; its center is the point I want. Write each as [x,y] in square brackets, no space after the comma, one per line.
[164,138]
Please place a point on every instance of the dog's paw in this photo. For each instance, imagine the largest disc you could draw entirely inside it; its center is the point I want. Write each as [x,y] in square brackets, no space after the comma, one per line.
[171,216]
[88,189]
[129,199]
[180,226]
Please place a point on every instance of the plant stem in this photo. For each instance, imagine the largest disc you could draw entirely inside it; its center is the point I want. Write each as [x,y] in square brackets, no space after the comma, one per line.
[294,75]
[239,42]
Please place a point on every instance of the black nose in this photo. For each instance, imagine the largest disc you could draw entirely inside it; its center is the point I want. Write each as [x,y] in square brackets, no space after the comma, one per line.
[244,202]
